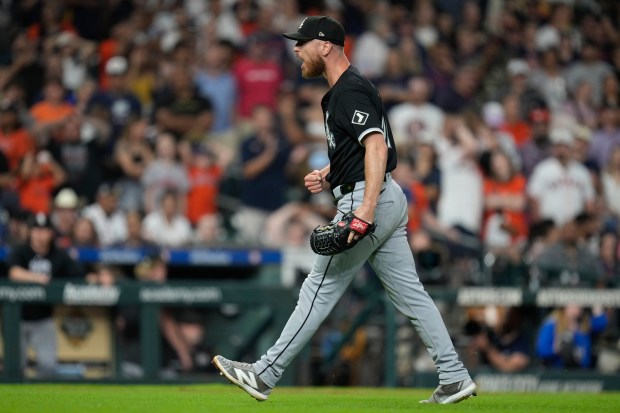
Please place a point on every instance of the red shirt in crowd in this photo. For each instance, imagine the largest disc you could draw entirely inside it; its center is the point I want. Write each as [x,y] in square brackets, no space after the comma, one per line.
[258,83]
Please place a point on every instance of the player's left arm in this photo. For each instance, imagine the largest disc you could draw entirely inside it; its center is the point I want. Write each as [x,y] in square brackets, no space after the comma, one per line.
[359,117]
[375,160]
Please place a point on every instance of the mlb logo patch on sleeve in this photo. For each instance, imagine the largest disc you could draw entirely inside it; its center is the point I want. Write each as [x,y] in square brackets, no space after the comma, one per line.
[359,118]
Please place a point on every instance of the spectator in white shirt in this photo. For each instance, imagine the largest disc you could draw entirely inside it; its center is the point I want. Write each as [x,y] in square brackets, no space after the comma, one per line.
[417,115]
[166,227]
[108,219]
[560,188]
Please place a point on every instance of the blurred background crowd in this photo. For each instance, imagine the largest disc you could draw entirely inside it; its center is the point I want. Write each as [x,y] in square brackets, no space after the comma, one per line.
[176,123]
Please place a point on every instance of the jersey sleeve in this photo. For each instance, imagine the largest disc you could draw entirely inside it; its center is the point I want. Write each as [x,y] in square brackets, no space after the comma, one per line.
[357,115]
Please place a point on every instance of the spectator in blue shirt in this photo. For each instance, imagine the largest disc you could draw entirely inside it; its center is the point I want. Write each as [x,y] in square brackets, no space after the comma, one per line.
[565,338]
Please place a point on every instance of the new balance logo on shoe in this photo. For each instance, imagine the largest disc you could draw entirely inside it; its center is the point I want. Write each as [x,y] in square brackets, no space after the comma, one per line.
[246,377]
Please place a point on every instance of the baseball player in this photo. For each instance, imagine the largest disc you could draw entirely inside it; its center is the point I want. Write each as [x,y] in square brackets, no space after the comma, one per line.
[361,156]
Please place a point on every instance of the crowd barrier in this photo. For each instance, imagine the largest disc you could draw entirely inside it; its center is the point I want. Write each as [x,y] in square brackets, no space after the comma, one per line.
[280,301]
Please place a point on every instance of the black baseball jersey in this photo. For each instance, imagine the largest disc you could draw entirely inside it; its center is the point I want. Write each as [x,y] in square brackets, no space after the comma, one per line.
[352,109]
[56,263]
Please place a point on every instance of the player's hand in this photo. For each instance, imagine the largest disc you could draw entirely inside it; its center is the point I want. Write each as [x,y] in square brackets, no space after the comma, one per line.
[314,181]
[366,215]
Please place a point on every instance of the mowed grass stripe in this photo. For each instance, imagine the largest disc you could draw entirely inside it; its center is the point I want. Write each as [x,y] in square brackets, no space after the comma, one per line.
[215,398]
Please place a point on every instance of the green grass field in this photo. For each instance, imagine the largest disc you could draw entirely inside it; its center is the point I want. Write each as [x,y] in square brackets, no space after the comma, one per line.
[214,398]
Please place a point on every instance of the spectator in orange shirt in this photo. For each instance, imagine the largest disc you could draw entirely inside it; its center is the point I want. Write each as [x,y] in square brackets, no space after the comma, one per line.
[51,113]
[38,178]
[15,144]
[513,123]
[204,177]
[504,223]
[15,141]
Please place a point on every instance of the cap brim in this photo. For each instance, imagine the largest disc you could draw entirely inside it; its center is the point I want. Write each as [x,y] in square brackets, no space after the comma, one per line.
[297,36]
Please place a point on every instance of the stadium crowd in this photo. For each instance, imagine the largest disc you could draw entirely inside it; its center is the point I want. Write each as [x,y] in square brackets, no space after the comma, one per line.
[181,123]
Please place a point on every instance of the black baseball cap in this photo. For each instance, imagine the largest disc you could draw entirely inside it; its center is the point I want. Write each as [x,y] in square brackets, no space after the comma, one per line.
[39,220]
[319,27]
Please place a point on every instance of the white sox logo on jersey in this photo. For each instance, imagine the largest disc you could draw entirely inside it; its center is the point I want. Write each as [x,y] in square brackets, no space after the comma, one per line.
[331,142]
[246,377]
[359,118]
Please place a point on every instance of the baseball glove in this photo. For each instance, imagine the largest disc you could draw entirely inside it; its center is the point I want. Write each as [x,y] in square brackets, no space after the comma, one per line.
[332,239]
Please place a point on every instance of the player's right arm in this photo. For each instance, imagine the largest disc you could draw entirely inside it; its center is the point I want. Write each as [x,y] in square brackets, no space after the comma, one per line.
[315,181]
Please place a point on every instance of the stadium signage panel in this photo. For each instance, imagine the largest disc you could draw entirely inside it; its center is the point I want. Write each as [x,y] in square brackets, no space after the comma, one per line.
[532,383]
[557,297]
[22,294]
[211,257]
[121,256]
[472,296]
[90,294]
[186,295]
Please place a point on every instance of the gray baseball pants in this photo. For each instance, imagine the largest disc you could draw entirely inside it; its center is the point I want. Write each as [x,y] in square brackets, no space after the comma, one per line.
[41,336]
[389,254]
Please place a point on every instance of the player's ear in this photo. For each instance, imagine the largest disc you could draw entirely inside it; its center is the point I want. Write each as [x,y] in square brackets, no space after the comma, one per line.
[326,48]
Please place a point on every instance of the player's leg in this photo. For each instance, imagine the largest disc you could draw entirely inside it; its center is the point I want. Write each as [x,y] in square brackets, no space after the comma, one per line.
[393,262]
[319,293]
[44,343]
[25,331]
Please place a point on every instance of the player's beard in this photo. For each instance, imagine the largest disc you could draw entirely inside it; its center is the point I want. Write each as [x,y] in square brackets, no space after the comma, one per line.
[313,67]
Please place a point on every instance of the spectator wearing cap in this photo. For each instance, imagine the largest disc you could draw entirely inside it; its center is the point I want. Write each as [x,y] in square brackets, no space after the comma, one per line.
[518,84]
[39,261]
[538,147]
[63,216]
[606,136]
[560,188]
[116,104]
[108,219]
